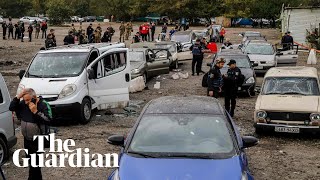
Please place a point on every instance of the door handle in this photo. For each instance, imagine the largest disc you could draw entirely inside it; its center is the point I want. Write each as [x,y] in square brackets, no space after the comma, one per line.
[127,76]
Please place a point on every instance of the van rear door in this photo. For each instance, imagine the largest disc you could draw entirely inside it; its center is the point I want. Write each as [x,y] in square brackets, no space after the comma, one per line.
[109,78]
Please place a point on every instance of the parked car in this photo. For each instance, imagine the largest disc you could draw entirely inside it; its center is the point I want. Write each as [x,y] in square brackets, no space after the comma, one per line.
[287,57]
[76,79]
[144,62]
[289,101]
[246,67]
[183,137]
[1,20]
[201,34]
[185,38]
[28,20]
[90,18]
[7,130]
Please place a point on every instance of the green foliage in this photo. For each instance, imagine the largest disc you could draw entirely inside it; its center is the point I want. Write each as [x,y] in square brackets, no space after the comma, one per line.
[58,11]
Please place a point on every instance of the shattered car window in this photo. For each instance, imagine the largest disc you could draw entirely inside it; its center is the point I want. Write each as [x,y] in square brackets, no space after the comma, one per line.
[171,47]
[180,38]
[53,65]
[263,49]
[136,56]
[291,85]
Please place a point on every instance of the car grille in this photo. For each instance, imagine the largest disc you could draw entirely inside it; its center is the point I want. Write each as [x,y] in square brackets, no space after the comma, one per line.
[288,116]
[50,99]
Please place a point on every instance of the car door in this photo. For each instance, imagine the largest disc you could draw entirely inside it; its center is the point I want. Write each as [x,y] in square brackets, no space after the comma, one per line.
[6,123]
[111,77]
[160,64]
[287,57]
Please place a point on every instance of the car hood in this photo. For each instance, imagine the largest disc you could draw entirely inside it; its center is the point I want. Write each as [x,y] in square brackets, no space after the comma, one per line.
[247,72]
[289,103]
[47,86]
[136,65]
[186,169]
[260,57]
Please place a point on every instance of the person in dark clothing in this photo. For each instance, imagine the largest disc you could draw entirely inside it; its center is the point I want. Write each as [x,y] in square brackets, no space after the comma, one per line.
[90,31]
[69,39]
[33,113]
[4,29]
[153,30]
[287,41]
[136,38]
[17,31]
[232,81]
[44,27]
[197,58]
[30,30]
[22,30]
[215,80]
[10,27]
[51,40]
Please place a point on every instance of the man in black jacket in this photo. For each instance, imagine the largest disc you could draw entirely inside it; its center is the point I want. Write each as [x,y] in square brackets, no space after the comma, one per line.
[69,39]
[90,31]
[33,112]
[215,80]
[231,83]
[4,29]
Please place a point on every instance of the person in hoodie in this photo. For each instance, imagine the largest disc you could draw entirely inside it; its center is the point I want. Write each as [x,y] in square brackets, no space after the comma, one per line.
[32,111]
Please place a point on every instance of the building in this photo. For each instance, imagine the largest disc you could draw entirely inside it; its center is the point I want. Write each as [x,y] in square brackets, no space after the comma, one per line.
[298,20]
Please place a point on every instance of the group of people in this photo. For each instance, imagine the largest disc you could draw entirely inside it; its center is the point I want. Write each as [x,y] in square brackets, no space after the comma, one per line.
[216,34]
[287,41]
[17,30]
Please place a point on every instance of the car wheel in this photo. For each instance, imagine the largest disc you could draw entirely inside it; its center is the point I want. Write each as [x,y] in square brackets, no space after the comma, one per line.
[85,114]
[3,151]
[259,131]
[251,92]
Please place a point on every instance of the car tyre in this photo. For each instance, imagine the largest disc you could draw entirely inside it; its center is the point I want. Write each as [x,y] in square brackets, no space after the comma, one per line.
[251,92]
[259,131]
[3,151]
[86,111]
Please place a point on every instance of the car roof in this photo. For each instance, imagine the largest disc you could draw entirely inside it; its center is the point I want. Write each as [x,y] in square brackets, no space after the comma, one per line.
[259,42]
[294,71]
[184,105]
[138,49]
[182,33]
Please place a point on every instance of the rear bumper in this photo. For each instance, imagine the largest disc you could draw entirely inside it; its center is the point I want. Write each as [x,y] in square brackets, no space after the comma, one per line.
[65,110]
[303,129]
[12,141]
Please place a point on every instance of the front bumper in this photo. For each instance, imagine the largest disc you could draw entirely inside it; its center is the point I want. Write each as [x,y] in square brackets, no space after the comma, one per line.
[303,129]
[263,68]
[66,110]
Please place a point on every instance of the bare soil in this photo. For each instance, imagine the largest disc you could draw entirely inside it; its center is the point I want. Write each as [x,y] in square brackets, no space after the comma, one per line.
[275,157]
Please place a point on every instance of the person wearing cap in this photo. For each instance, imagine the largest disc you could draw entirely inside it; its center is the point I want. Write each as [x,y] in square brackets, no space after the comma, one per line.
[215,80]
[232,81]
[197,58]
[287,41]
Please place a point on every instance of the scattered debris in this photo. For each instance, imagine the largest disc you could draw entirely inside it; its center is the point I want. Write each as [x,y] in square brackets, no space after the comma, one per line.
[98,115]
[183,76]
[156,85]
[137,85]
[136,104]
[176,70]
[175,76]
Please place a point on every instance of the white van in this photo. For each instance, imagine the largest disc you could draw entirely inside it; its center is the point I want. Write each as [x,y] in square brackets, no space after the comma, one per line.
[76,79]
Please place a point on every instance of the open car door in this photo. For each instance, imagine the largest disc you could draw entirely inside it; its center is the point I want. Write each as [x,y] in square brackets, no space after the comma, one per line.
[109,78]
[160,62]
[287,56]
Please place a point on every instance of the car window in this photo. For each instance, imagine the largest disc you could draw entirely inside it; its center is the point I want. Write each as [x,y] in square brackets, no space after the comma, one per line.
[136,56]
[182,133]
[291,85]
[161,54]
[114,63]
[263,49]
[242,61]
[1,97]
[180,38]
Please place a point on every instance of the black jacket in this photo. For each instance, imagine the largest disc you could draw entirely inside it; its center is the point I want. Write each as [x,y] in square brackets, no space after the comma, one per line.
[215,79]
[90,31]
[69,39]
[30,123]
[234,79]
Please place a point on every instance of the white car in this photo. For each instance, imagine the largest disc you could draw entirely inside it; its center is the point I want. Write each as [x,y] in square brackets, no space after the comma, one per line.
[28,20]
[7,131]
[76,79]
[289,101]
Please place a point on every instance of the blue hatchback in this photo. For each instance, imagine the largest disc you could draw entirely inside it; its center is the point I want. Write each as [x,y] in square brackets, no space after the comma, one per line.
[183,138]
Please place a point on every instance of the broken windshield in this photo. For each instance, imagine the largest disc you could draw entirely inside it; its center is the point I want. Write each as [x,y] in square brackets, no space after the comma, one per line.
[264,49]
[53,65]
[291,85]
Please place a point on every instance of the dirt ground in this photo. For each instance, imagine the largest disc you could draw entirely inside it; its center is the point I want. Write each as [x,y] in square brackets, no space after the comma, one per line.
[275,157]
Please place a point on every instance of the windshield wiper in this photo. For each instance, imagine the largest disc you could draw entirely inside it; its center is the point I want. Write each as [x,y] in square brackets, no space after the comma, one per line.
[33,75]
[272,93]
[141,154]
[294,93]
[189,156]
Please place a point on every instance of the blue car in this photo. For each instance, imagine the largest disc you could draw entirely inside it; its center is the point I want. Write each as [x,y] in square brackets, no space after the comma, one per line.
[183,138]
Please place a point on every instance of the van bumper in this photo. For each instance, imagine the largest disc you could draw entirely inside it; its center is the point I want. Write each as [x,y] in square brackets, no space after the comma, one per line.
[12,141]
[65,110]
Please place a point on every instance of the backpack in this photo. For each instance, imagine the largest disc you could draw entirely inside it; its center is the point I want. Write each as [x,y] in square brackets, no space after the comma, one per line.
[196,50]
[45,128]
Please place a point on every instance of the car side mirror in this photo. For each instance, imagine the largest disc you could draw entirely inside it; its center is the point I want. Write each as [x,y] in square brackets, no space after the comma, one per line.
[249,141]
[254,64]
[117,140]
[21,73]
[91,74]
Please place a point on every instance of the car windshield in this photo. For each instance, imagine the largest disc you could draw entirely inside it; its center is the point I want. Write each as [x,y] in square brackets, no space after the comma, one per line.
[54,65]
[183,134]
[291,85]
[136,56]
[242,61]
[171,47]
[200,34]
[180,38]
[263,49]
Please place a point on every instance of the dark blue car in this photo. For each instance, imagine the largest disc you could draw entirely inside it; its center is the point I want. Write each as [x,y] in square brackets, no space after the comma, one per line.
[183,138]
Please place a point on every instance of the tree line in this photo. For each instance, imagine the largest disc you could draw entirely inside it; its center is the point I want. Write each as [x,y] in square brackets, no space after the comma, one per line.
[128,9]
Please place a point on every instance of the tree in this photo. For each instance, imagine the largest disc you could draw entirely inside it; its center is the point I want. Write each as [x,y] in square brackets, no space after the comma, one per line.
[58,11]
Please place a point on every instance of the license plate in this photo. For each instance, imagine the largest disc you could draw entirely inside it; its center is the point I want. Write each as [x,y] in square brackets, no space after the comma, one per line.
[258,67]
[287,129]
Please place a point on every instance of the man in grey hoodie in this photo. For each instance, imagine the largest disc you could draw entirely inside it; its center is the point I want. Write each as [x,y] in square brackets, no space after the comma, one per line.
[34,113]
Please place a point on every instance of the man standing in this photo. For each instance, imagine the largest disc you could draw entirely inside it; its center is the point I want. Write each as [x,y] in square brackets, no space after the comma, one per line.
[90,31]
[32,111]
[231,83]
[30,30]
[153,31]
[122,29]
[69,39]
[222,34]
[197,52]
[51,40]
[128,30]
[10,27]
[44,28]
[22,30]
[17,31]
[4,29]
[37,30]
[215,80]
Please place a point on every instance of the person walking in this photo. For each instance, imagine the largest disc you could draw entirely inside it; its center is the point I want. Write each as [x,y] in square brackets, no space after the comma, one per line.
[197,53]
[164,31]
[30,30]
[10,27]
[37,26]
[33,112]
[22,30]
[232,81]
[222,34]
[122,30]
[153,31]
[215,80]
[4,29]
[44,27]
[111,32]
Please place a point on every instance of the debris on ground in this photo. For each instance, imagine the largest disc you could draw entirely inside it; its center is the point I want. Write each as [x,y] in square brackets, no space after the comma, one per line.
[156,85]
[175,76]
[137,85]
[136,104]
[176,70]
[183,76]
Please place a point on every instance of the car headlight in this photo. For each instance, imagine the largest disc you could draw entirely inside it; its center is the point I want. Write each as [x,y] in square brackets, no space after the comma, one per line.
[116,175]
[244,176]
[250,80]
[20,88]
[315,117]
[135,70]
[67,90]
[261,114]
